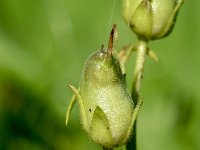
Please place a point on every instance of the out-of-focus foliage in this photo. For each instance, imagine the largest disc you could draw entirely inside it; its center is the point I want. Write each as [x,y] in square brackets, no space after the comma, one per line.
[43,46]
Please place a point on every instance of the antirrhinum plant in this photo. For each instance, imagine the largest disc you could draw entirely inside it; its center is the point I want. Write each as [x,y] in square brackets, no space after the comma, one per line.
[108,111]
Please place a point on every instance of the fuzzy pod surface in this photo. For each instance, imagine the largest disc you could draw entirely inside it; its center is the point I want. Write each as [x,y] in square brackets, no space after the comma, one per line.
[108,104]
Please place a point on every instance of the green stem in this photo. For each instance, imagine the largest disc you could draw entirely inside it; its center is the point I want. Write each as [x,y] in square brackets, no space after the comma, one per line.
[138,75]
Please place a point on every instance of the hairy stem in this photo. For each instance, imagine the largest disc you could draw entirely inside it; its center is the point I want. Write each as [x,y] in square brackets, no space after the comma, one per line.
[139,67]
[138,75]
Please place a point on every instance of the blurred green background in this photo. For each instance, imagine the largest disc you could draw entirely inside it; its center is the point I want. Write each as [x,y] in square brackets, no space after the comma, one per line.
[43,46]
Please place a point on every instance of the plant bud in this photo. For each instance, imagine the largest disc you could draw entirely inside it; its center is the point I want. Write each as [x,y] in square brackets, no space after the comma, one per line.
[108,104]
[107,110]
[151,19]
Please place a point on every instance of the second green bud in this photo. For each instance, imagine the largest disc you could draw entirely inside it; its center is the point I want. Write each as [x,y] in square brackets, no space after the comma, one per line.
[151,19]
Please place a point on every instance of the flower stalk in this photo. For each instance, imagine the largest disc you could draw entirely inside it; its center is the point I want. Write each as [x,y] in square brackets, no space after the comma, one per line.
[138,75]
[139,67]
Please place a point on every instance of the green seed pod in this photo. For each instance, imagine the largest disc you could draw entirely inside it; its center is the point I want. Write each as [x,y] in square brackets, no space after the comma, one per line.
[151,19]
[106,107]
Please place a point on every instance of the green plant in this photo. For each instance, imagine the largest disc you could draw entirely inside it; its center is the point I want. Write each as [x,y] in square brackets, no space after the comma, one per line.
[106,107]
[104,75]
